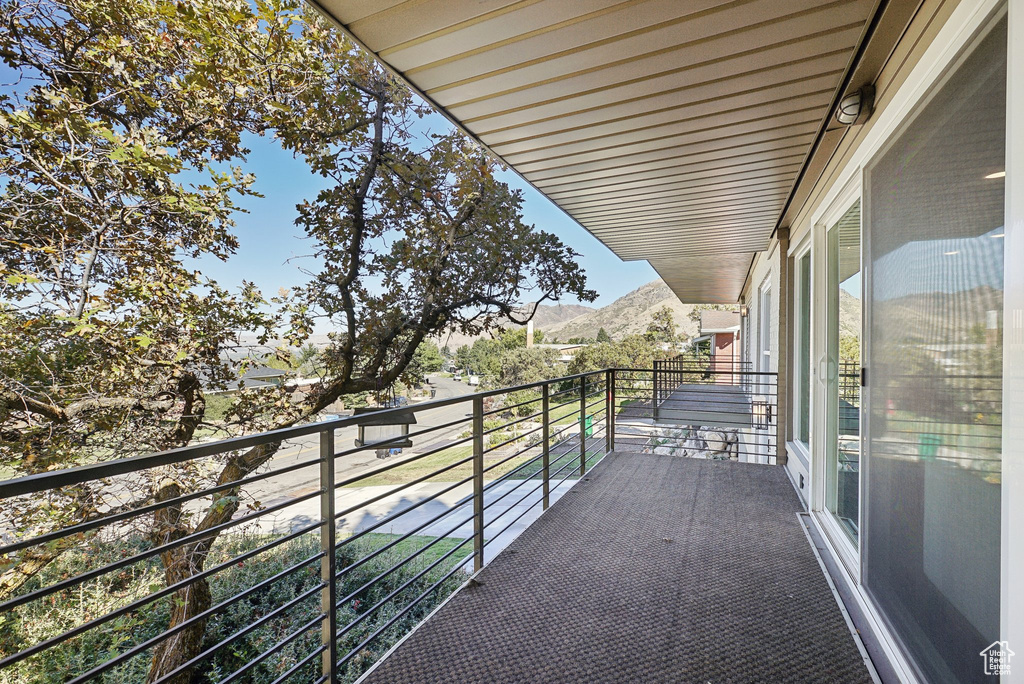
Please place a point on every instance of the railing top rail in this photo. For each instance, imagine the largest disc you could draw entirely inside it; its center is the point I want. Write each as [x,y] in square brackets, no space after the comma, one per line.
[31,484]
[725,372]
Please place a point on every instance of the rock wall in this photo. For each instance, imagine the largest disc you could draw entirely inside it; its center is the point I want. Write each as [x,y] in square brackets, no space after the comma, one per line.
[717,444]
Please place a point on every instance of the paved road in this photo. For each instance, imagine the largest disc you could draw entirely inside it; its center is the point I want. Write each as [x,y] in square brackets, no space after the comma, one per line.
[307,448]
[511,506]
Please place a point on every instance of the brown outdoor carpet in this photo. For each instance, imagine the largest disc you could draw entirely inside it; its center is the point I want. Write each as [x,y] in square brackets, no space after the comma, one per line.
[654,569]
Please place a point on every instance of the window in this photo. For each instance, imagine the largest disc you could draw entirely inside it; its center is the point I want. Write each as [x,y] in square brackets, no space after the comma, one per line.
[764,316]
[842,379]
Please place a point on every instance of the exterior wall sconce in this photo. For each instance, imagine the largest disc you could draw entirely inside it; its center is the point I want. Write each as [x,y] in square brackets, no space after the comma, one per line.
[743,310]
[390,429]
[762,414]
[855,108]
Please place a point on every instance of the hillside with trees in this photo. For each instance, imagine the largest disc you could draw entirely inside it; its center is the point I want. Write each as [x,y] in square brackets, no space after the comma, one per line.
[544,317]
[630,314]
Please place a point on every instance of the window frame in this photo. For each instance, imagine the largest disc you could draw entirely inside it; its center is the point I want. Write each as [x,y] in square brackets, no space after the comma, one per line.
[848,551]
[801,252]
[764,325]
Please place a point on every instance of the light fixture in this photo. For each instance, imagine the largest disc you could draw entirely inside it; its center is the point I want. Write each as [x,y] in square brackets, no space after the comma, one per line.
[956,251]
[389,430]
[998,235]
[997,174]
[743,310]
[761,414]
[856,107]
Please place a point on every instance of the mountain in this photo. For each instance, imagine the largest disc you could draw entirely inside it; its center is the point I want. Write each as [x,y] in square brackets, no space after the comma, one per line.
[939,317]
[849,314]
[627,315]
[547,315]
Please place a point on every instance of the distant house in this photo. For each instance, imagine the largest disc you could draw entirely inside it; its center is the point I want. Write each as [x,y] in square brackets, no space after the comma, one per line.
[720,335]
[565,351]
[263,376]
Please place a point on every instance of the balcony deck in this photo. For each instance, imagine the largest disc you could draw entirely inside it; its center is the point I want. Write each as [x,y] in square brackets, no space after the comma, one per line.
[726,406]
[652,569]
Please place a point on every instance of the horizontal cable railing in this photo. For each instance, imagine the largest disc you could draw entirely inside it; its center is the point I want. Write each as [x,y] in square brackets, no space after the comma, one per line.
[669,373]
[696,410]
[939,414]
[331,556]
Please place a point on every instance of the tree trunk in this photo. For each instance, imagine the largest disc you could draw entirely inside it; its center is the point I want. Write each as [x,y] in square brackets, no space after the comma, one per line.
[191,600]
[180,563]
[188,560]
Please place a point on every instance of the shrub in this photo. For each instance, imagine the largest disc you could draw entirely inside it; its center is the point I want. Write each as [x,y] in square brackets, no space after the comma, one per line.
[64,610]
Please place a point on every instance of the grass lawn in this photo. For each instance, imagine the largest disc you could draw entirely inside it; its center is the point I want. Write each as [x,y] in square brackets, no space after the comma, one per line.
[429,464]
[570,459]
[405,548]
[563,422]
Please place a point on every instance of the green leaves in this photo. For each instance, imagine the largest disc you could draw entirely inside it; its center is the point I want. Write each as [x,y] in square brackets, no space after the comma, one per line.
[21,279]
[144,341]
[124,156]
[97,213]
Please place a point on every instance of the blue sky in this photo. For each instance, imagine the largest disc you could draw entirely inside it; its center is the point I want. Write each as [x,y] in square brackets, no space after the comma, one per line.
[272,247]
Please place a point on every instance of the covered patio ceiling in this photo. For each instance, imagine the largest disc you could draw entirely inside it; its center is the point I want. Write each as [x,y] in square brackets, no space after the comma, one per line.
[673,131]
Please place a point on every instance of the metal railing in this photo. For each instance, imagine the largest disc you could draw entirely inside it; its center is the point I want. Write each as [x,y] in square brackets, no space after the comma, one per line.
[950,416]
[670,373]
[700,410]
[336,554]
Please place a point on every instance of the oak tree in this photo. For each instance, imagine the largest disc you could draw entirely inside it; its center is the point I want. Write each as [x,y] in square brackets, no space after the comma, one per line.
[123,157]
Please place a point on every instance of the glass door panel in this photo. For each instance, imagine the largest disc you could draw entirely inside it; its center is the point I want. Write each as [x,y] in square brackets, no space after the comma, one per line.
[934,216]
[842,376]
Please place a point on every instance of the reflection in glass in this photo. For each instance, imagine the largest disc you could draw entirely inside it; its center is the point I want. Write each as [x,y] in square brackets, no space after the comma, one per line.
[842,414]
[934,217]
[803,428]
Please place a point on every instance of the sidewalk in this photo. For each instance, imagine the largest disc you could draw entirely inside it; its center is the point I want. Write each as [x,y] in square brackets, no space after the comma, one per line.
[505,501]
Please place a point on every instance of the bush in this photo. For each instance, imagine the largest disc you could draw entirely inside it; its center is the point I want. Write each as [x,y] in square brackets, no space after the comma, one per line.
[46,618]
[521,397]
[218,406]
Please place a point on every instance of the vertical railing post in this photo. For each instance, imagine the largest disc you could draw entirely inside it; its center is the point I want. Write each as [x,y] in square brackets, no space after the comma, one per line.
[773,397]
[478,483]
[609,411]
[328,570]
[656,392]
[583,426]
[545,437]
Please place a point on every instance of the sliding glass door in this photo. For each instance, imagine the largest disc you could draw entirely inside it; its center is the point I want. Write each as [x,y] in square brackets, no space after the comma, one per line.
[933,217]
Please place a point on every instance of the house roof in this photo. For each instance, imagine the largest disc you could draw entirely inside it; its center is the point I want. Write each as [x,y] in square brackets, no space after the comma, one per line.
[260,376]
[719,321]
[675,132]
[263,372]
